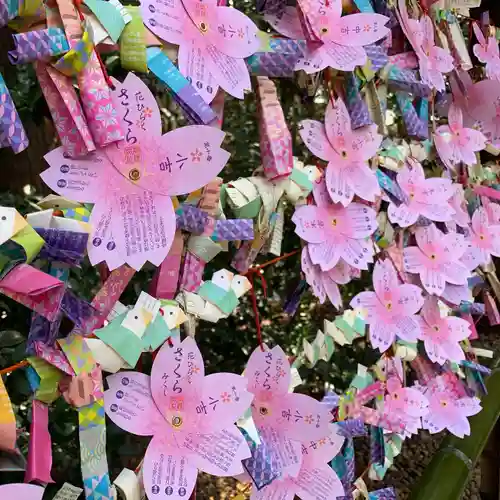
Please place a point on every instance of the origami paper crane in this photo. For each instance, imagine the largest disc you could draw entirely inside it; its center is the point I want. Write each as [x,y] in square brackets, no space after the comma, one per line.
[21,491]
[342,38]
[456,143]
[406,403]
[284,418]
[424,197]
[391,308]
[346,151]
[436,258]
[217,298]
[214,38]
[315,474]
[190,416]
[441,335]
[433,61]
[131,182]
[335,232]
[487,52]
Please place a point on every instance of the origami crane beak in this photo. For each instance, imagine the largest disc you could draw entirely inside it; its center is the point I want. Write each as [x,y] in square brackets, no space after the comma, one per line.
[181,317]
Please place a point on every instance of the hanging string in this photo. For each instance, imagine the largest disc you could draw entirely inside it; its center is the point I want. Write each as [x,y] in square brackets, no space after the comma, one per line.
[12,368]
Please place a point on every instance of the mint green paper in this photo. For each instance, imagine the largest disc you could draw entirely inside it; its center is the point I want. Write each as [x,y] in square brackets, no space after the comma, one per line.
[156,333]
[226,301]
[108,16]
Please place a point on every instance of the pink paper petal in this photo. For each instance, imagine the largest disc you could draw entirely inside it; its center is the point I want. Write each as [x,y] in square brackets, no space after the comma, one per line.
[318,483]
[309,221]
[455,118]
[21,491]
[165,19]
[333,292]
[413,259]
[382,336]
[369,302]
[458,328]
[76,179]
[359,29]
[143,226]
[233,33]
[361,220]
[324,450]
[320,193]
[167,476]
[286,23]
[433,281]
[324,254]
[342,57]
[338,184]
[409,299]
[357,253]
[301,417]
[313,134]
[362,180]
[229,72]
[268,373]
[224,399]
[385,281]
[193,66]
[219,453]
[407,328]
[177,381]
[337,124]
[430,311]
[129,404]
[403,215]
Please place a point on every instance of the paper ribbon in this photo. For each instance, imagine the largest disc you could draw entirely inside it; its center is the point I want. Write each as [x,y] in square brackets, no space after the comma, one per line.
[63,246]
[12,133]
[275,138]
[279,61]
[133,54]
[40,445]
[109,16]
[129,485]
[38,45]
[405,80]
[414,125]
[183,92]
[68,492]
[356,106]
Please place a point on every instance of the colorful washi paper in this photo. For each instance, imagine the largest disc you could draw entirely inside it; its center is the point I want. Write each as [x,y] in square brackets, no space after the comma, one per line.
[403,194]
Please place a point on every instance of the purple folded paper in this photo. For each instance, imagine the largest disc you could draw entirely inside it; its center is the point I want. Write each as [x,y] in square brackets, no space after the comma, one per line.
[382,494]
[377,54]
[192,219]
[414,125]
[38,45]
[12,132]
[42,330]
[353,427]
[63,246]
[280,61]
[76,309]
[405,80]
[275,7]
[356,105]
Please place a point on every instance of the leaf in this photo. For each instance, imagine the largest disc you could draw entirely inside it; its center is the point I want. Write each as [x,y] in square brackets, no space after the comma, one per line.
[10,338]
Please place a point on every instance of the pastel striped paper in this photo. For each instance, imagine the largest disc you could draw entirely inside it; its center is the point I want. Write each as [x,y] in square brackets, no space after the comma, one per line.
[12,133]
[38,45]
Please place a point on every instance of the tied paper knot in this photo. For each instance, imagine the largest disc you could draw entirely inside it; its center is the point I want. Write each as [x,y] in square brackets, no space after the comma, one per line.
[38,45]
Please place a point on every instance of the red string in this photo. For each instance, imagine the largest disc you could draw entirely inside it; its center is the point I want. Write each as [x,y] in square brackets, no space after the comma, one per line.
[12,368]
[78,5]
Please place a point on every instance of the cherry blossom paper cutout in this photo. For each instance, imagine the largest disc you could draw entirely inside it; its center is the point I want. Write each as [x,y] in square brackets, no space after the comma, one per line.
[446,411]
[336,232]
[131,181]
[191,417]
[436,259]
[346,151]
[487,52]
[391,309]
[21,491]
[483,239]
[424,197]
[316,479]
[213,42]
[441,336]
[296,416]
[341,38]
[459,205]
[456,143]
[325,283]
[434,61]
[406,404]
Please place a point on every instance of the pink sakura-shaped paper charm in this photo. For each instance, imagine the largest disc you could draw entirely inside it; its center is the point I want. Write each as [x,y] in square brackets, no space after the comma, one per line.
[406,404]
[130,182]
[459,205]
[436,259]
[424,197]
[316,479]
[391,308]
[346,151]
[456,143]
[342,37]
[190,416]
[335,233]
[447,411]
[21,491]
[285,419]
[213,42]
[484,237]
[326,283]
[487,52]
[441,336]
[433,61]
